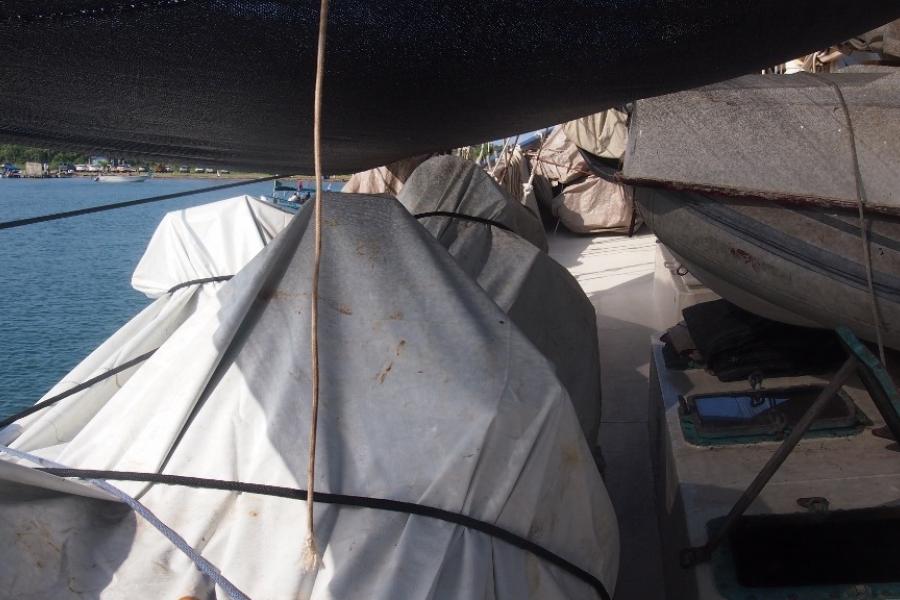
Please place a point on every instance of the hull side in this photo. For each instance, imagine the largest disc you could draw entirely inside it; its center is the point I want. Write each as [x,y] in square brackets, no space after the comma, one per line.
[799,265]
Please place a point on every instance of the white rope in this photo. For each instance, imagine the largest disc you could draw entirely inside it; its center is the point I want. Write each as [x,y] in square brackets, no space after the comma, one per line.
[311,553]
[205,567]
[537,159]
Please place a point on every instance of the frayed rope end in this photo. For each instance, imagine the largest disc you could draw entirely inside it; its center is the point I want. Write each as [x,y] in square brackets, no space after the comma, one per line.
[311,559]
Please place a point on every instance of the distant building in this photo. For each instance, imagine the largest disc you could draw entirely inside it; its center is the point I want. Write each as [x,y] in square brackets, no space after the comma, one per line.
[35,169]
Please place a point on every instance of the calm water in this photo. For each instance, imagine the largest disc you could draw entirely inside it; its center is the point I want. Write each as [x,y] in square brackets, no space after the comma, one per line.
[65,286]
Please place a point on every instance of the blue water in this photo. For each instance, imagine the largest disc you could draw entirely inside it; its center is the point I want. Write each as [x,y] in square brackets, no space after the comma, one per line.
[65,286]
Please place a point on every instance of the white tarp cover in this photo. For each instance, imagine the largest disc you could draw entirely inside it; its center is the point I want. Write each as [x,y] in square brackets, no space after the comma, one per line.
[212,240]
[604,134]
[540,296]
[430,395]
[596,205]
[387,180]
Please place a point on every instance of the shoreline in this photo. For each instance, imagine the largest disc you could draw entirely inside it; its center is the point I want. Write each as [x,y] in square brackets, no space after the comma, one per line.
[198,176]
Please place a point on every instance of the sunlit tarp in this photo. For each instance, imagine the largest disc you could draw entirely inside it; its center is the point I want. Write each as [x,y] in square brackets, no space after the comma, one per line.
[430,395]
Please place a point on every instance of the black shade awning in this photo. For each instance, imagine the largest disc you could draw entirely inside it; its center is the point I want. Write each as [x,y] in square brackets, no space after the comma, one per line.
[230,81]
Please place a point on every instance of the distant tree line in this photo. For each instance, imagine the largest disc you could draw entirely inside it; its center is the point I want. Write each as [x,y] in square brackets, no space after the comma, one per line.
[18,155]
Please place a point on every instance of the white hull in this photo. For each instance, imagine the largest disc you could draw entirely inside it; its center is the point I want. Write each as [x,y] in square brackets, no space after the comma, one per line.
[122,178]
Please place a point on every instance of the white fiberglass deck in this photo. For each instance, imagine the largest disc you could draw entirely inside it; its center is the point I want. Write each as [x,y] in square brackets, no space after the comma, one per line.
[616,272]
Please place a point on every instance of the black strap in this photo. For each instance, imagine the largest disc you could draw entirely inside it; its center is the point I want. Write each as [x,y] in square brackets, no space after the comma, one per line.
[107,374]
[74,390]
[462,217]
[185,284]
[344,500]
[104,207]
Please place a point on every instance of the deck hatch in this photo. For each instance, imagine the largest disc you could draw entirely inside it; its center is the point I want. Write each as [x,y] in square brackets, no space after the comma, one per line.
[763,415]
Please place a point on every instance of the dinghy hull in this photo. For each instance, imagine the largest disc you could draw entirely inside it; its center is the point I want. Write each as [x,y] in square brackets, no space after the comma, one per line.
[801,265]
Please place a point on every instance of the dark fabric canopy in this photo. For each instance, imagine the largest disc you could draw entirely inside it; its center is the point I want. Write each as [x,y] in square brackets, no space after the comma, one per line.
[229,82]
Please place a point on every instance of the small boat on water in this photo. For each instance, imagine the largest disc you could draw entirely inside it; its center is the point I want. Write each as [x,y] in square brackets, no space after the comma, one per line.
[288,196]
[121,178]
[764,208]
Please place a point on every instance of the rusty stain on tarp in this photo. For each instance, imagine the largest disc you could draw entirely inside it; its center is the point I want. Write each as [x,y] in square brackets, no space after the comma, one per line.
[384,372]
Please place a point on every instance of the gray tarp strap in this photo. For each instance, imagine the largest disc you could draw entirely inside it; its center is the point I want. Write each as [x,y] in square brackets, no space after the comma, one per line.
[410,508]
[205,567]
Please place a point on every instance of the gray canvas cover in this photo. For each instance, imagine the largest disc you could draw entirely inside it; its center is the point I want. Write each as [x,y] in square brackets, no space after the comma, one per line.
[462,187]
[540,296]
[430,394]
[774,137]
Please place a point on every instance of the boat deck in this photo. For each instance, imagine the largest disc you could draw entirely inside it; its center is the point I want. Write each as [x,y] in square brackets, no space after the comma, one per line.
[616,272]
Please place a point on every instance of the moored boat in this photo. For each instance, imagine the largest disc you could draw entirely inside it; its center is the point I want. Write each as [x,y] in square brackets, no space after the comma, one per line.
[121,178]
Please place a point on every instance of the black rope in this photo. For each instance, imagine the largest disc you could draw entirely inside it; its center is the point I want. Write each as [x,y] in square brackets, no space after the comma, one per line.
[453,215]
[344,500]
[81,386]
[127,203]
[185,284]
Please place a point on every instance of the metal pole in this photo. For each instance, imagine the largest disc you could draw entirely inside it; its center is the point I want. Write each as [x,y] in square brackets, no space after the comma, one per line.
[692,556]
